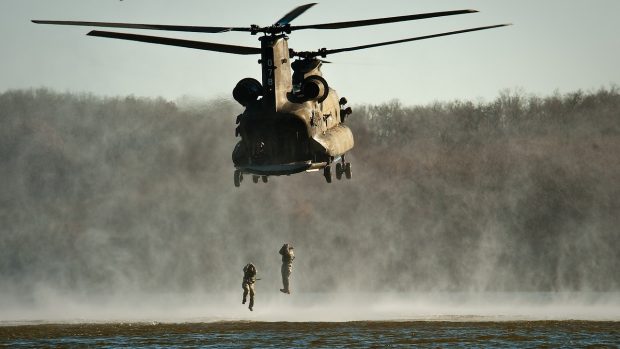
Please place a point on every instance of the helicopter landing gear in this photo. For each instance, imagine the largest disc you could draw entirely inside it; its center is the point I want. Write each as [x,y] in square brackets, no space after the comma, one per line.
[343,168]
[327,172]
[238,178]
[256,178]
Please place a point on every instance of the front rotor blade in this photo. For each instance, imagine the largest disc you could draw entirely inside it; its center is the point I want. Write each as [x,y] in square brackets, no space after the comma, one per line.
[200,45]
[326,52]
[180,28]
[294,14]
[365,22]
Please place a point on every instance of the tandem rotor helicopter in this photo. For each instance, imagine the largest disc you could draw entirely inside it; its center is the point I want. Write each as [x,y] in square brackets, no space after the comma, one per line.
[293,121]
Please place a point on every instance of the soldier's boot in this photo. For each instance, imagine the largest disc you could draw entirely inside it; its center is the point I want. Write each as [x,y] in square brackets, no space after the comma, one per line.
[285,291]
[251,304]
[243,301]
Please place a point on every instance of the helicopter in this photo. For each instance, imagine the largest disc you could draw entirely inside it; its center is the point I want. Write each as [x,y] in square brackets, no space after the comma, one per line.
[293,120]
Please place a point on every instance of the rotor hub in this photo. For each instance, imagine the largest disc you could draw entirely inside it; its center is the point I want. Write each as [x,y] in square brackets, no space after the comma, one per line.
[270,30]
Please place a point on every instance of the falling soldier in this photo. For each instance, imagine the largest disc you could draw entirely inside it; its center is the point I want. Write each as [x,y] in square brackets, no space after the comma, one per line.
[288,254]
[249,278]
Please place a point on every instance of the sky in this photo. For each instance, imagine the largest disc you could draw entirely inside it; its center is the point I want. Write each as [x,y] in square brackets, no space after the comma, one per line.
[552,46]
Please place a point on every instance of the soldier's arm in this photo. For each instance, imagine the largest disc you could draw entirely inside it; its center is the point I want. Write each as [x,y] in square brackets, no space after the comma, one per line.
[290,251]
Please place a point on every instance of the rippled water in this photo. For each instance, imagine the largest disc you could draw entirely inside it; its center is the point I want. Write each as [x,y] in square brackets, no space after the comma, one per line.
[236,334]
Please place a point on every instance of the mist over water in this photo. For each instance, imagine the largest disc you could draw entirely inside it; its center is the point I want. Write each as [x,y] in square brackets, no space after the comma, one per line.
[124,208]
[323,307]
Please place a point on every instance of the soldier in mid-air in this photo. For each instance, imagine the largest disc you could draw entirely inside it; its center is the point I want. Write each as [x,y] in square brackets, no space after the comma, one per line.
[249,278]
[288,254]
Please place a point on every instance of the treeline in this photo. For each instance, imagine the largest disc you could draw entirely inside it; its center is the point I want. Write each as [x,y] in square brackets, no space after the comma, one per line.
[512,113]
[520,193]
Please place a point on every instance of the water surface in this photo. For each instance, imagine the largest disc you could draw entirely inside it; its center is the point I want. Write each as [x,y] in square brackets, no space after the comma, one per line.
[242,334]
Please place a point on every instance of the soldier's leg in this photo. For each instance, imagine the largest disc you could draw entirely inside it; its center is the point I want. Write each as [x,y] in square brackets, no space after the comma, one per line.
[289,270]
[245,292]
[286,272]
[251,296]
[284,278]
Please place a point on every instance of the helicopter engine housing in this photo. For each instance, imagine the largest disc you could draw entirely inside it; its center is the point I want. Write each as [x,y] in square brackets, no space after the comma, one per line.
[247,91]
[315,88]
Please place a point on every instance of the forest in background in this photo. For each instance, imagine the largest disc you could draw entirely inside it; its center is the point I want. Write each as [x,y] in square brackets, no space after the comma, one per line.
[127,194]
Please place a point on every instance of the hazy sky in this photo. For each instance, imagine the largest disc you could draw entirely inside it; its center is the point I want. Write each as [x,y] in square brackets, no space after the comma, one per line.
[553,45]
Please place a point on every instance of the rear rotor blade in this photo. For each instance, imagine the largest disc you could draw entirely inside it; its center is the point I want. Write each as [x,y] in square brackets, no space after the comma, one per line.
[366,22]
[200,45]
[180,28]
[326,52]
[294,14]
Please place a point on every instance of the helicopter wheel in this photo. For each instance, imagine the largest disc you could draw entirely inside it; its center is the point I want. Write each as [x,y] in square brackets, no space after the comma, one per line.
[238,178]
[347,170]
[339,171]
[255,178]
[265,179]
[327,172]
